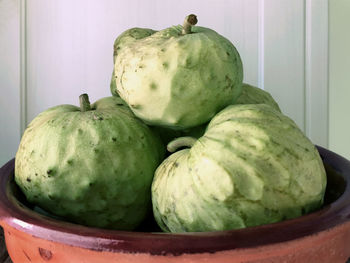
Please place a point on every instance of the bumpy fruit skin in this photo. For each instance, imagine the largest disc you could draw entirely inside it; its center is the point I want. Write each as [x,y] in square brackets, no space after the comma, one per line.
[113,86]
[254,95]
[125,39]
[178,80]
[252,166]
[249,95]
[94,168]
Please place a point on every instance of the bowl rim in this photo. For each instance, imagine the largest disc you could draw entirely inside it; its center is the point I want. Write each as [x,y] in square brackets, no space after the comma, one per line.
[16,215]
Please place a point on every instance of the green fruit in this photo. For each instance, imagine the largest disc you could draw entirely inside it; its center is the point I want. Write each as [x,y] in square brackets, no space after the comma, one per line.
[112,86]
[254,95]
[249,95]
[252,166]
[91,165]
[128,37]
[179,77]
[123,40]
[167,135]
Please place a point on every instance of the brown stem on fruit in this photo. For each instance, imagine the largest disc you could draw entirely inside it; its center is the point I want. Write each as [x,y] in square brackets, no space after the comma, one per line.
[84,102]
[181,142]
[190,21]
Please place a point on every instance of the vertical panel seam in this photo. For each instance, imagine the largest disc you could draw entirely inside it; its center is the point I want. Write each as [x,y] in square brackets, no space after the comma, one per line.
[328,77]
[261,44]
[23,66]
[307,17]
[310,120]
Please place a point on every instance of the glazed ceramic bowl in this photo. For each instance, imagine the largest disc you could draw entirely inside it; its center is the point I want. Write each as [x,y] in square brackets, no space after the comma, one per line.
[322,236]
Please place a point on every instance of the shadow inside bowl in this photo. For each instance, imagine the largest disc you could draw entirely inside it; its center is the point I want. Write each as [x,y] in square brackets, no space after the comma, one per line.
[336,186]
[148,225]
[16,212]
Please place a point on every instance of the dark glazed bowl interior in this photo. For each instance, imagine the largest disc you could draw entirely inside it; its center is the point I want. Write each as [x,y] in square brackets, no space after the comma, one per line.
[16,212]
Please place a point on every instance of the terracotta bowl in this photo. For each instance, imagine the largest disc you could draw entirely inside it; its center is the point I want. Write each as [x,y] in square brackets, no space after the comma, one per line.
[322,237]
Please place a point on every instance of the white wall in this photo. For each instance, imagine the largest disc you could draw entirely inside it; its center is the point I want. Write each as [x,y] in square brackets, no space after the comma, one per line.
[68,46]
[339,78]
[9,79]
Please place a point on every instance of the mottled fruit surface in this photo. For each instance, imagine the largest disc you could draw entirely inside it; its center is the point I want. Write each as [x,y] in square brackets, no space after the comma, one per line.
[249,95]
[252,166]
[175,79]
[124,40]
[254,95]
[92,167]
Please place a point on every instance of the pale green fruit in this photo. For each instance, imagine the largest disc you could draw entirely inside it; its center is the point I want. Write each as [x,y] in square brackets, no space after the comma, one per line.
[249,95]
[252,166]
[128,37]
[125,39]
[112,86]
[178,79]
[167,135]
[93,166]
[254,95]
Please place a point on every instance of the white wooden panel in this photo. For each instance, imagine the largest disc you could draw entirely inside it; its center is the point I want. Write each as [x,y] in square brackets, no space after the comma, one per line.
[236,20]
[69,43]
[284,56]
[9,79]
[68,46]
[339,77]
[316,71]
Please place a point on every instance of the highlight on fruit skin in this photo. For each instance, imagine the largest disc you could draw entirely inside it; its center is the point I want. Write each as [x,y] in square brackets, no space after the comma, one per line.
[249,95]
[235,160]
[92,165]
[252,166]
[178,77]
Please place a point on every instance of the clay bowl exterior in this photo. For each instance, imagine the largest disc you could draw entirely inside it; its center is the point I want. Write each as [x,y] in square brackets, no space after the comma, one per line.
[322,236]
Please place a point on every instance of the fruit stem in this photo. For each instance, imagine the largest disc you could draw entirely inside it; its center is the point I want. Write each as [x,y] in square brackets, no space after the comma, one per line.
[181,142]
[84,102]
[190,21]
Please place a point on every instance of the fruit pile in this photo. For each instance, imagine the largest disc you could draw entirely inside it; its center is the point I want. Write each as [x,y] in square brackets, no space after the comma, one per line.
[181,134]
